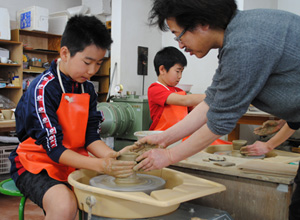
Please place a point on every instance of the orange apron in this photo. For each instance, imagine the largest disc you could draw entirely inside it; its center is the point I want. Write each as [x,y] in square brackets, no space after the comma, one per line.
[72,115]
[171,115]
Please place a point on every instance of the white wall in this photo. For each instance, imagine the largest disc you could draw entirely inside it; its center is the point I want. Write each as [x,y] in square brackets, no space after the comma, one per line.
[289,5]
[54,5]
[130,30]
[251,4]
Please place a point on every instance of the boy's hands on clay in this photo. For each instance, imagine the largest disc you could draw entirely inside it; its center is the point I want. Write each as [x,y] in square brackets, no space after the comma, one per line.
[116,168]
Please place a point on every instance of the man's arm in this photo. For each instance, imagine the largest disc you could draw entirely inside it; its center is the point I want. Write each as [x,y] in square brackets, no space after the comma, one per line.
[259,148]
[195,124]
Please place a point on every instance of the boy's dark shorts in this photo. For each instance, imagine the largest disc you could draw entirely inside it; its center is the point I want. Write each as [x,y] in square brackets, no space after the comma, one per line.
[34,186]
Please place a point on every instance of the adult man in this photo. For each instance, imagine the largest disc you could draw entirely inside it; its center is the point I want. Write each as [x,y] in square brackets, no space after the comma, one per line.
[259,64]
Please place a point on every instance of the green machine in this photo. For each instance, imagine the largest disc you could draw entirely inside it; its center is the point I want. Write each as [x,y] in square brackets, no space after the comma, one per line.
[124,115]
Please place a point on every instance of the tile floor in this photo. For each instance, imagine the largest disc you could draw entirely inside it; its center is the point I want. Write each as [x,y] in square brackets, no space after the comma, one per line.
[9,209]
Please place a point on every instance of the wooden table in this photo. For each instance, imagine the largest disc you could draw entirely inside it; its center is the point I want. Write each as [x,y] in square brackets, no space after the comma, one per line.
[250,118]
[248,196]
[7,125]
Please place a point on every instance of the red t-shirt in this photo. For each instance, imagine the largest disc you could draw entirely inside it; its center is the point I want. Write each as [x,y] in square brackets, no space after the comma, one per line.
[157,97]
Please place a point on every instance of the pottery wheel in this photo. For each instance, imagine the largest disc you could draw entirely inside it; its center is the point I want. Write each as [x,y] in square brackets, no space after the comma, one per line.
[145,183]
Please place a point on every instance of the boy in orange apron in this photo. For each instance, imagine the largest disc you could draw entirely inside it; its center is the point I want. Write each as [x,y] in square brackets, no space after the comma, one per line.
[169,104]
[58,123]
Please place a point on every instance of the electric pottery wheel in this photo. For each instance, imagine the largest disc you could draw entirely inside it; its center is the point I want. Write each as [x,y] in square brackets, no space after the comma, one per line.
[142,195]
[145,183]
[179,188]
[134,183]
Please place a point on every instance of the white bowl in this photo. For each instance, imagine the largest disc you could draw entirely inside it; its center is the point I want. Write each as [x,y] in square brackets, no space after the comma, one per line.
[185,87]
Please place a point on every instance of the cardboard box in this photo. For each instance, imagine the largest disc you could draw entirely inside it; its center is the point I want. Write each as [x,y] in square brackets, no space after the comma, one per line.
[33,18]
[98,7]
[4,24]
[4,52]
[57,22]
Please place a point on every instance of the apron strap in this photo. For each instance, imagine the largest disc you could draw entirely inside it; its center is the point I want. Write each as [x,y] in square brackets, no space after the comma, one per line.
[59,77]
[164,86]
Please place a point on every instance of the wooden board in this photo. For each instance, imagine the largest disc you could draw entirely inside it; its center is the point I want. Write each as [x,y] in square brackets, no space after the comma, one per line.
[200,161]
[269,168]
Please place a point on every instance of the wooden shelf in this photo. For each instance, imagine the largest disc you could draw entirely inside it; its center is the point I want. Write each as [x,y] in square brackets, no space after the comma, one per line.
[45,46]
[37,51]
[296,149]
[38,34]
[13,93]
[7,125]
[10,65]
[103,77]
[13,87]
[33,71]
[9,42]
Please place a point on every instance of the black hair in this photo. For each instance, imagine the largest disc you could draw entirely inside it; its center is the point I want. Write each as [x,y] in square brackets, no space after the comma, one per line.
[168,57]
[82,31]
[190,13]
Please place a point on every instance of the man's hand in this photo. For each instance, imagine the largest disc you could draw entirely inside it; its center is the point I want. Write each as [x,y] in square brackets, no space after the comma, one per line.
[256,149]
[130,148]
[154,159]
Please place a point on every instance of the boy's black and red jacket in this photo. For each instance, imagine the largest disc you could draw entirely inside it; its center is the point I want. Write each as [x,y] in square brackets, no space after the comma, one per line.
[29,123]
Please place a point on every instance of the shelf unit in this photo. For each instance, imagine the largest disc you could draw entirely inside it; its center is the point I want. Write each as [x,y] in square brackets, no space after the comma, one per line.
[14,93]
[44,46]
[103,77]
[47,47]
[38,45]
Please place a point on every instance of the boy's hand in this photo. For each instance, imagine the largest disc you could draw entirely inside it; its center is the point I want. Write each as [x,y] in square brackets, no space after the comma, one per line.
[116,168]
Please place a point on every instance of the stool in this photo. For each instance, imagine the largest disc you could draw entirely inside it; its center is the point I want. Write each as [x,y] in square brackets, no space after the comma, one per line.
[8,187]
